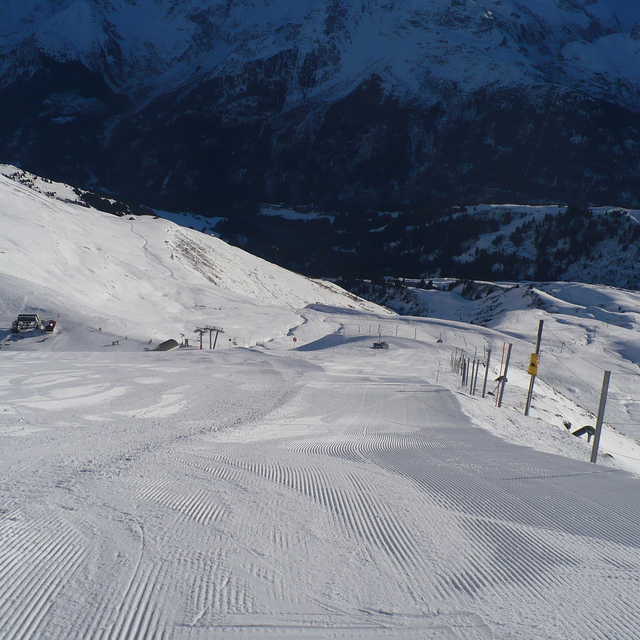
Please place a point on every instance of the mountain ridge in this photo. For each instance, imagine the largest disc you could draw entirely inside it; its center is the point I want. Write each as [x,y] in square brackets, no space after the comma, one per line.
[386,104]
[152,38]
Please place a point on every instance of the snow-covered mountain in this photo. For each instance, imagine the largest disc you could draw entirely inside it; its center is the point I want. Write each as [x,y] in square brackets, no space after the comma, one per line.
[139,276]
[333,46]
[141,279]
[297,490]
[376,102]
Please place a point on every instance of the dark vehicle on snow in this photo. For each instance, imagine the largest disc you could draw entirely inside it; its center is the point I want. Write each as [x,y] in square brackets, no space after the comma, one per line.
[27,322]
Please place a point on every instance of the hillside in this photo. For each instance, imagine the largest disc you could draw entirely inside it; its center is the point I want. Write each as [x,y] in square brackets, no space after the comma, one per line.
[295,482]
[597,245]
[139,276]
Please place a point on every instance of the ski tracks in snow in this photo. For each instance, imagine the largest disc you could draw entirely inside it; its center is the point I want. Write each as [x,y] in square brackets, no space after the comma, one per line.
[34,565]
[322,505]
[535,534]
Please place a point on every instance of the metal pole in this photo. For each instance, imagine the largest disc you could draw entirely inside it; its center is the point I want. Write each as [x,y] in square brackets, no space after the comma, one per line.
[540,325]
[603,402]
[216,340]
[503,382]
[475,378]
[210,332]
[529,396]
[486,374]
[533,377]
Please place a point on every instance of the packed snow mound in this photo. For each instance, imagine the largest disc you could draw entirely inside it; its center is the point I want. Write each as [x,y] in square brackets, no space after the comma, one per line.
[139,276]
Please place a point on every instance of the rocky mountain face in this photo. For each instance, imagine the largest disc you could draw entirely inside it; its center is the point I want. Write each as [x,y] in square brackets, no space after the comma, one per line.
[217,105]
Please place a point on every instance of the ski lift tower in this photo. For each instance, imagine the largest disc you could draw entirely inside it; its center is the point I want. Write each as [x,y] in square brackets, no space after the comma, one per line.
[201,331]
[217,330]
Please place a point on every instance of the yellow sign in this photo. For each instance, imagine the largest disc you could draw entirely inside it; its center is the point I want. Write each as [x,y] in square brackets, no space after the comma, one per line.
[533,365]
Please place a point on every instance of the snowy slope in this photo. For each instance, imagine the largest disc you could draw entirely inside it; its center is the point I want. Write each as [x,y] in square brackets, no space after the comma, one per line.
[301,490]
[140,276]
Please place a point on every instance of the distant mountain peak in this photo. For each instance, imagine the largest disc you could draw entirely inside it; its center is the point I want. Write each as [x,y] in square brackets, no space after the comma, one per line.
[256,100]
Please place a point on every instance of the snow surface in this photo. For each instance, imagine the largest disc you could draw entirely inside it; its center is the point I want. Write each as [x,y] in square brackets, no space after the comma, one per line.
[309,489]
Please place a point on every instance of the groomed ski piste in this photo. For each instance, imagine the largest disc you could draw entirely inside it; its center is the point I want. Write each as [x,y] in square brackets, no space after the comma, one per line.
[300,490]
